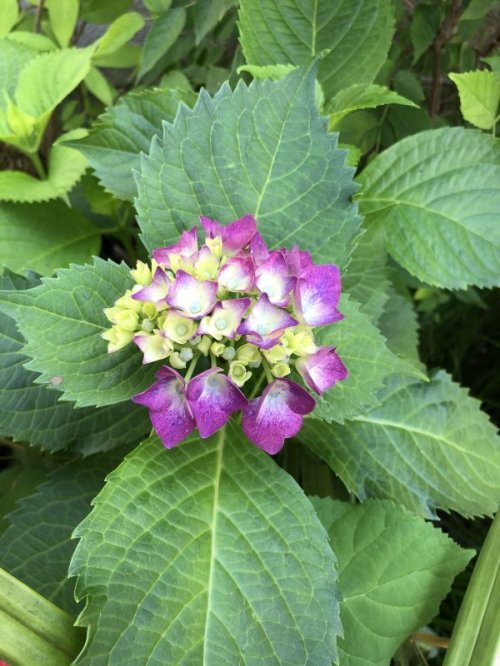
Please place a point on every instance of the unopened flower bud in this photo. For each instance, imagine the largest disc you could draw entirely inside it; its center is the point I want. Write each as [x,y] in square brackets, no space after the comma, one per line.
[204,345]
[276,354]
[117,338]
[229,353]
[186,354]
[142,274]
[280,369]
[238,373]
[217,348]
[248,353]
[176,361]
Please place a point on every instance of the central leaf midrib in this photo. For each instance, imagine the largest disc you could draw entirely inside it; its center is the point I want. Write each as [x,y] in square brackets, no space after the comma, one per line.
[213,530]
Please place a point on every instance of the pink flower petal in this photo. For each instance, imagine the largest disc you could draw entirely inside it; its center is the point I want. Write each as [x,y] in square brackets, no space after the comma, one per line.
[225,318]
[235,236]
[322,369]
[213,397]
[276,415]
[273,279]
[266,321]
[169,410]
[237,274]
[298,260]
[317,294]
[157,291]
[194,298]
[258,249]
[186,247]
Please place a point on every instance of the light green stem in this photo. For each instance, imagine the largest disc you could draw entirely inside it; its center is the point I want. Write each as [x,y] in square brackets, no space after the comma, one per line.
[191,368]
[476,636]
[32,629]
[37,163]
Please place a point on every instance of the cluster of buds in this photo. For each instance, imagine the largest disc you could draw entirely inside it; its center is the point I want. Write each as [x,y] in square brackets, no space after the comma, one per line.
[243,315]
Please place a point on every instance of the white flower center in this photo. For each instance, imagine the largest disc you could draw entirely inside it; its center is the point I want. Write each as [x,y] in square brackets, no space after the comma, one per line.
[220,324]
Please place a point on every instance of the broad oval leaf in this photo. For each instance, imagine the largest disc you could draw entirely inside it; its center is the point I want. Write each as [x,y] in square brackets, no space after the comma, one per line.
[63,15]
[62,321]
[212,555]
[356,32]
[394,570]
[359,96]
[162,34]
[44,237]
[31,413]
[261,149]
[437,194]
[427,446]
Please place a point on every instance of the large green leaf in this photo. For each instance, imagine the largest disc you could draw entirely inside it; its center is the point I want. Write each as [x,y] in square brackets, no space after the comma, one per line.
[37,546]
[31,413]
[437,194]
[427,446]
[65,168]
[44,237]
[357,33]
[261,149]
[212,555]
[114,145]
[394,571]
[368,359]
[14,58]
[366,277]
[399,324]
[62,320]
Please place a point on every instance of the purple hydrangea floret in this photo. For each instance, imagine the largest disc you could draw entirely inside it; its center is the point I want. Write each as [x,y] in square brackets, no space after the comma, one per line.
[222,318]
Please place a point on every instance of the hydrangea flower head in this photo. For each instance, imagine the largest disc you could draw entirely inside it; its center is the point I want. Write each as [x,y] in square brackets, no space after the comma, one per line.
[231,315]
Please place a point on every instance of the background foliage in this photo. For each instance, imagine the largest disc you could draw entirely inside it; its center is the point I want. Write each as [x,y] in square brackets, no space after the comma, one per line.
[364,131]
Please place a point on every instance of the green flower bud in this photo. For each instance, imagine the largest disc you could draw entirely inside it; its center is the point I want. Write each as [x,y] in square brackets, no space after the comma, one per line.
[280,369]
[238,373]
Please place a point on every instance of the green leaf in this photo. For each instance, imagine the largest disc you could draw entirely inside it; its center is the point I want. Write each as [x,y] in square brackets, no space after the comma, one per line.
[99,86]
[208,14]
[437,194]
[427,446]
[213,555]
[37,547]
[119,33]
[32,40]
[162,34]
[9,11]
[361,96]
[103,11]
[479,97]
[365,354]
[477,629]
[17,481]
[62,321]
[63,15]
[66,167]
[31,413]
[114,145]
[264,150]
[366,277]
[423,29]
[47,79]
[394,571]
[356,32]
[15,57]
[33,630]
[399,324]
[44,237]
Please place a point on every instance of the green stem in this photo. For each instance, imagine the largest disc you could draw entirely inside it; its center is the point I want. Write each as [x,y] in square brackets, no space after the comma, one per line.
[256,388]
[32,629]
[37,163]
[191,368]
[213,360]
[476,636]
